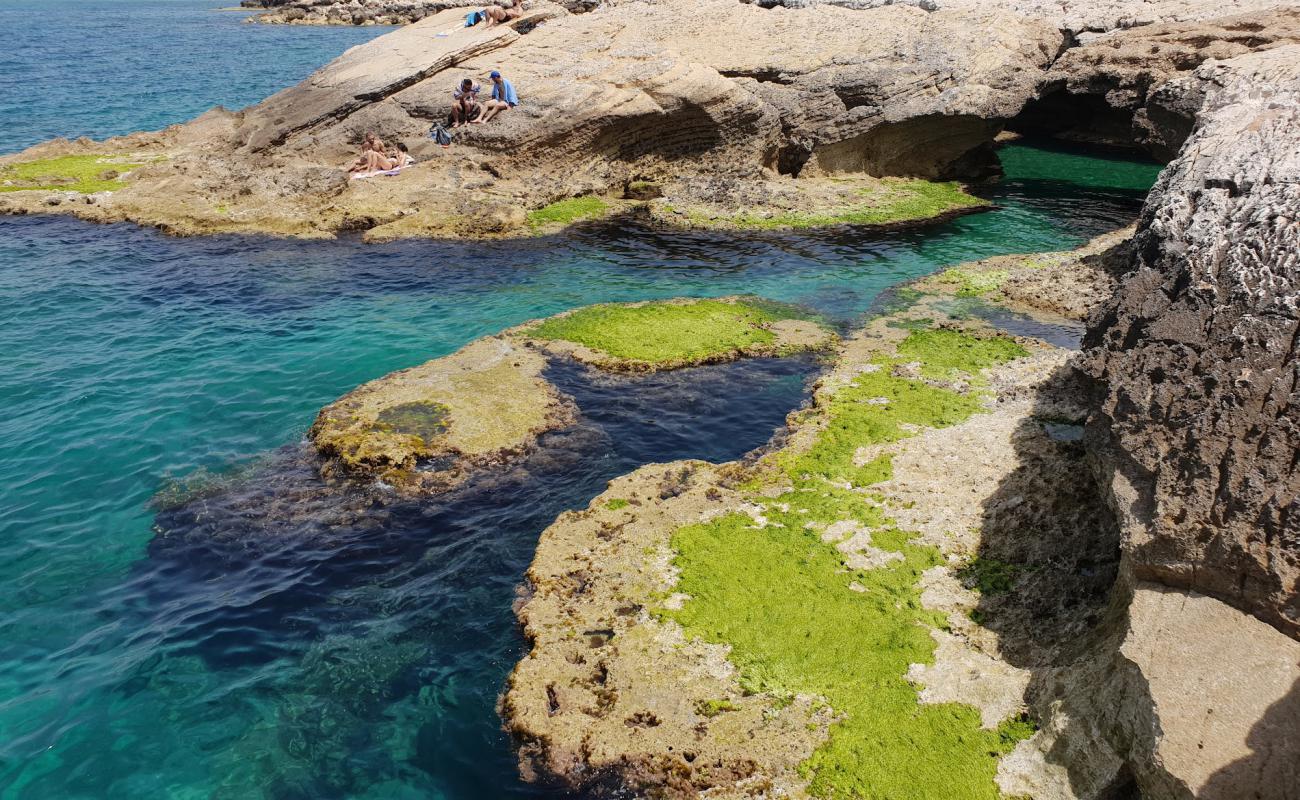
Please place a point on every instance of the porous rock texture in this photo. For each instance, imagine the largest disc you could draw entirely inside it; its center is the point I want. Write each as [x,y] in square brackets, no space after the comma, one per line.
[1191,686]
[1197,358]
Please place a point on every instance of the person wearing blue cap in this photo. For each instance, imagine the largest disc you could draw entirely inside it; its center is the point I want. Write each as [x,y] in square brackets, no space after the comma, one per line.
[503,97]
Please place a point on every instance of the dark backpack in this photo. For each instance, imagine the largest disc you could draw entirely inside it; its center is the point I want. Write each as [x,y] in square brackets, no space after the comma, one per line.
[440,135]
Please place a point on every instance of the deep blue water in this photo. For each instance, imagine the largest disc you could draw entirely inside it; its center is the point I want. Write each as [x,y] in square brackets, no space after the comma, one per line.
[101,68]
[272,637]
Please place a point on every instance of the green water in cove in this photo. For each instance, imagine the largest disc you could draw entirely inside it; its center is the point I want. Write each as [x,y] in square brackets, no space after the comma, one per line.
[227,648]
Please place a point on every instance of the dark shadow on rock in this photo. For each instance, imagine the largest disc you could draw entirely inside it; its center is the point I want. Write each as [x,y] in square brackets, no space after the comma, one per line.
[1272,770]
[1047,570]
[1049,551]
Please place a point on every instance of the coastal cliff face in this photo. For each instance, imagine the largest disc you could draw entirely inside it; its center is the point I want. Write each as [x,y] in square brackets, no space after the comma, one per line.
[1196,357]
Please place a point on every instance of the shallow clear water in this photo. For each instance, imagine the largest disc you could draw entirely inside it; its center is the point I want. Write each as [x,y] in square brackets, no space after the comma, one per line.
[274,638]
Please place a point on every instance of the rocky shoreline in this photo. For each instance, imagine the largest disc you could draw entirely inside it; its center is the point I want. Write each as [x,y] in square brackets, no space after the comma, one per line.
[1099,548]
[824,117]
[979,565]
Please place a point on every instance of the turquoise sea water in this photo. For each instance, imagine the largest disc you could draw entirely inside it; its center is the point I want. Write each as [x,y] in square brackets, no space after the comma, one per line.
[267,640]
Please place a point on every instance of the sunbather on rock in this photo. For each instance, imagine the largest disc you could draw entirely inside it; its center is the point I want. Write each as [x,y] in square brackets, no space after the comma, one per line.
[498,14]
[370,144]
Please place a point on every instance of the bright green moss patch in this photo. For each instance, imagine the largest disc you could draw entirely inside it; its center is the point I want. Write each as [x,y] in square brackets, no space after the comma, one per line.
[974,283]
[567,212]
[616,503]
[903,201]
[669,333]
[780,596]
[86,174]
[942,351]
[873,410]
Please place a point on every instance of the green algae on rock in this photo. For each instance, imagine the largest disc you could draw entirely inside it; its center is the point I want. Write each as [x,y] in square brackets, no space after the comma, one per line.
[1065,283]
[422,429]
[85,174]
[795,571]
[567,212]
[656,335]
[823,596]
[824,202]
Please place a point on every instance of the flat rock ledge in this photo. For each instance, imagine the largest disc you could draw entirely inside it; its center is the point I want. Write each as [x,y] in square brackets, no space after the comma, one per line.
[426,429]
[1066,283]
[621,689]
[613,336]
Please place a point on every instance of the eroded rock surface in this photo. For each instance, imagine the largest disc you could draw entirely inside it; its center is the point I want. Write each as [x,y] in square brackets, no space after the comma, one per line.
[1125,89]
[424,429]
[1196,360]
[616,692]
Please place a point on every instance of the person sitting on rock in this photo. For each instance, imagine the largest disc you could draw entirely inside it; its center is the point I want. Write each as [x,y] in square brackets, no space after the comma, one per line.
[401,157]
[499,14]
[503,97]
[464,102]
[370,145]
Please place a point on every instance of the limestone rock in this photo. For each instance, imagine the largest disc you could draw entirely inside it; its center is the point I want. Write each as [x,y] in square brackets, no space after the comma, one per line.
[622,94]
[423,429]
[1117,89]
[1196,360]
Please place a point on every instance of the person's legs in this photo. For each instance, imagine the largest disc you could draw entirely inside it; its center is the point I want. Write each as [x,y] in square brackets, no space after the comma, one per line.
[459,114]
[378,161]
[486,113]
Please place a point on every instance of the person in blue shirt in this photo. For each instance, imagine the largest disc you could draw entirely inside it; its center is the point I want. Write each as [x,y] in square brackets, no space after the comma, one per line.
[503,98]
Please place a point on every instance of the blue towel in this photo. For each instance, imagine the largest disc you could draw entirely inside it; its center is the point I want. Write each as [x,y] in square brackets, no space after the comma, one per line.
[505,91]
[473,18]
